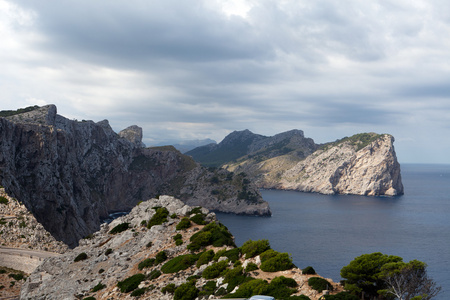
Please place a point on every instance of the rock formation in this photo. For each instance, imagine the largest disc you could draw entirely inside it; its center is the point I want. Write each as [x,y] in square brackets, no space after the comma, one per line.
[364,164]
[70,173]
[119,252]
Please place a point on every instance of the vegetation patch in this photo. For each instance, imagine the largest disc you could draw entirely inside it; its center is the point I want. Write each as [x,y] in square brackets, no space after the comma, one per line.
[154,274]
[205,258]
[170,288]
[319,284]
[159,217]
[120,228]
[8,113]
[183,224]
[253,248]
[80,257]
[215,234]
[275,261]
[3,200]
[146,263]
[160,257]
[98,287]
[131,283]
[214,270]
[198,219]
[186,291]
[309,271]
[179,263]
[251,267]
[342,296]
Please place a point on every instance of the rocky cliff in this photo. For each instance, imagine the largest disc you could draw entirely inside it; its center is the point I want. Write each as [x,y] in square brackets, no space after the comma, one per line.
[149,255]
[70,173]
[364,164]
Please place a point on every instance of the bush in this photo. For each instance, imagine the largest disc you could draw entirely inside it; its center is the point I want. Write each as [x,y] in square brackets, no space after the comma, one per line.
[98,287]
[131,283]
[251,267]
[3,200]
[159,217]
[186,291]
[232,254]
[81,256]
[89,298]
[280,262]
[319,284]
[253,248]
[184,224]
[178,237]
[301,297]
[119,228]
[17,276]
[309,271]
[154,274]
[215,234]
[138,292]
[268,254]
[160,257]
[179,263]
[249,288]
[234,277]
[208,288]
[205,258]
[214,270]
[198,219]
[146,263]
[170,288]
[108,251]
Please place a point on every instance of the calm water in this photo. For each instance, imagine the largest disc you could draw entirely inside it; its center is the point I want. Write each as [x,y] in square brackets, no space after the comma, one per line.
[327,232]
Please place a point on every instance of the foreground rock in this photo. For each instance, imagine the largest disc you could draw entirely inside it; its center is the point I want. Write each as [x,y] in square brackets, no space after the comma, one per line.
[70,173]
[99,263]
[364,164]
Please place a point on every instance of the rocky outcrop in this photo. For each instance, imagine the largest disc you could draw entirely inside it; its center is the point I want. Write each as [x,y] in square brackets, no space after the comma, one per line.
[110,258]
[364,164]
[70,174]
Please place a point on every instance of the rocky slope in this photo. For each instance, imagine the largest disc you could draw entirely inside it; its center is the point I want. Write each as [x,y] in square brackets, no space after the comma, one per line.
[20,229]
[70,173]
[102,265]
[364,164]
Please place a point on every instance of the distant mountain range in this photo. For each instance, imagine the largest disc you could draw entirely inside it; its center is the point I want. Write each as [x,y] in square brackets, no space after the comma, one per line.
[364,164]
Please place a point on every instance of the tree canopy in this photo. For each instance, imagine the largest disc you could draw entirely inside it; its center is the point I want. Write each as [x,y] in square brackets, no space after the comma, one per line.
[371,275]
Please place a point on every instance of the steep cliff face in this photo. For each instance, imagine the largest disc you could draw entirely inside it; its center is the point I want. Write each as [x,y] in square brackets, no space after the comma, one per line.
[365,164]
[70,174]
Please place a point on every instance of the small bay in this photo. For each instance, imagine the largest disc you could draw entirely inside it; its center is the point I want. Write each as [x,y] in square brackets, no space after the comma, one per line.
[328,231]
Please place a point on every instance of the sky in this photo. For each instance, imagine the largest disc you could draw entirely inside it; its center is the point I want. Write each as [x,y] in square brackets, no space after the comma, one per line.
[185,70]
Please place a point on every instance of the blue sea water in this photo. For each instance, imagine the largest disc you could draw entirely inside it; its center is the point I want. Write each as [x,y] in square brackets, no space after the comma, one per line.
[328,231]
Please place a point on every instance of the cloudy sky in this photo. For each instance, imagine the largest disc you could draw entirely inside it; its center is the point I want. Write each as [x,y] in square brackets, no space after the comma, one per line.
[199,69]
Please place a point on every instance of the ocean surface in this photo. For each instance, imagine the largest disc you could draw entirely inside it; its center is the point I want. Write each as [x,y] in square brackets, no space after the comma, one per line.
[328,231]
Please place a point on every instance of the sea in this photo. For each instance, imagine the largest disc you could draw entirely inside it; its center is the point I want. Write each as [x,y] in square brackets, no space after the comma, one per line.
[328,231]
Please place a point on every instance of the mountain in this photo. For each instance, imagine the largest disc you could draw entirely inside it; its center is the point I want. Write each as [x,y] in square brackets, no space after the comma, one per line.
[71,173]
[188,145]
[164,249]
[364,164]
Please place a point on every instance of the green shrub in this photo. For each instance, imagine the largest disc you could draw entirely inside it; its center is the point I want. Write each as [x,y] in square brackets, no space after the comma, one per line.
[89,298]
[178,242]
[120,228]
[319,284]
[3,200]
[342,296]
[232,254]
[173,216]
[251,267]
[280,262]
[81,256]
[101,271]
[309,271]
[178,237]
[234,277]
[205,258]
[183,224]
[214,270]
[159,217]
[149,244]
[268,254]
[98,287]
[186,291]
[301,297]
[108,251]
[179,263]
[195,210]
[146,263]
[131,283]
[154,274]
[215,234]
[198,219]
[160,257]
[170,288]
[16,276]
[249,288]
[219,254]
[208,288]
[138,292]
[253,248]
